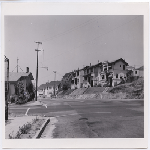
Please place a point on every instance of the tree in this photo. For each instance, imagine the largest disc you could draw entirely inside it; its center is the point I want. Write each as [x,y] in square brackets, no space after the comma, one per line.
[65,86]
[130,77]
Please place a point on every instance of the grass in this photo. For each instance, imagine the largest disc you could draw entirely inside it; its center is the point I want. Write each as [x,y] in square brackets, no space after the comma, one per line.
[132,90]
[24,129]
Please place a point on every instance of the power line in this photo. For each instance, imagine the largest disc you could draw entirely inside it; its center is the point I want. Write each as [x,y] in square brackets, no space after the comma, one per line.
[72,29]
[95,38]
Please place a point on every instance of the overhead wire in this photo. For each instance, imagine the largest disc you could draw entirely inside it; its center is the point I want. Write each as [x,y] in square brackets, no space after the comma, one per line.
[94,38]
[72,29]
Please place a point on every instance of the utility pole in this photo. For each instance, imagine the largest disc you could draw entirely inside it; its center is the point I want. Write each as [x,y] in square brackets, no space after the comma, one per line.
[54,81]
[7,88]
[37,68]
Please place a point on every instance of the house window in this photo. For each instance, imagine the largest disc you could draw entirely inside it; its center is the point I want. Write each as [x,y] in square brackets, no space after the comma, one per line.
[116,75]
[123,67]
[103,76]
[105,69]
[92,70]
[120,65]
[135,72]
[110,67]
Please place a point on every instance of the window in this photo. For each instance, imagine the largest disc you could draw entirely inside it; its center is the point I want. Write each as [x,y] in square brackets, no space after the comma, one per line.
[123,67]
[110,67]
[103,76]
[135,72]
[120,65]
[116,75]
[105,69]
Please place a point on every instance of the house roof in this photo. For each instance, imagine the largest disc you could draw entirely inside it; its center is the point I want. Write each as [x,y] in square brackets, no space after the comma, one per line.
[15,76]
[67,74]
[85,67]
[141,68]
[113,62]
[51,84]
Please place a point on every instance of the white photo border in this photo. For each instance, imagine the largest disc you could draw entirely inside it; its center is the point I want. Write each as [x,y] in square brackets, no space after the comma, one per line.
[91,8]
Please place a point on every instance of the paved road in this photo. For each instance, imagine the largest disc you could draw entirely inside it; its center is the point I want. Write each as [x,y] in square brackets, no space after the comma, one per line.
[91,118]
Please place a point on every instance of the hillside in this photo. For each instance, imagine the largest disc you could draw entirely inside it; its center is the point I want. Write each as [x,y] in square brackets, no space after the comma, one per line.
[132,90]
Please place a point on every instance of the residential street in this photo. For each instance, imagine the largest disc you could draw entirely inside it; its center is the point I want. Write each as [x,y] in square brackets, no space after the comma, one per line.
[88,118]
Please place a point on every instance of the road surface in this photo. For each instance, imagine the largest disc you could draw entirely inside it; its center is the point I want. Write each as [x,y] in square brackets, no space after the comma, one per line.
[89,118]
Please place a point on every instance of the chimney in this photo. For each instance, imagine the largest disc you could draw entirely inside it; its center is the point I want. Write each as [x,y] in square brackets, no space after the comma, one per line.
[27,70]
[98,61]
[90,64]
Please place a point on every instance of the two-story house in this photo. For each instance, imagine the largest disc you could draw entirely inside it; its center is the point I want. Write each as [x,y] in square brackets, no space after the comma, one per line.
[77,79]
[113,73]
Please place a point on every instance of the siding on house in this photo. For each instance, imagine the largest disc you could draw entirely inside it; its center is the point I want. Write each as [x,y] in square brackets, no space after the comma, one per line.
[15,77]
[139,72]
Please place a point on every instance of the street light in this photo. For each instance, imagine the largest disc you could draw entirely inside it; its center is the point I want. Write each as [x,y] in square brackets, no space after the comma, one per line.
[37,67]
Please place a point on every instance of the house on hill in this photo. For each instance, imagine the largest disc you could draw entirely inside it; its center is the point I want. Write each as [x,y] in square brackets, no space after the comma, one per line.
[139,72]
[15,77]
[112,73]
[47,89]
[77,79]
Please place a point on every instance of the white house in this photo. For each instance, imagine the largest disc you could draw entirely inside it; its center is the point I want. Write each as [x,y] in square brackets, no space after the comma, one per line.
[48,88]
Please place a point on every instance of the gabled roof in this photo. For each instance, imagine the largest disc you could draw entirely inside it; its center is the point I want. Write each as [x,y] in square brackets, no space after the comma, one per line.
[115,61]
[141,68]
[86,67]
[51,84]
[67,74]
[15,76]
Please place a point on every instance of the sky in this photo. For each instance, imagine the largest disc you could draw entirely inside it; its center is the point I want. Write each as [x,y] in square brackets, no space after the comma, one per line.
[71,42]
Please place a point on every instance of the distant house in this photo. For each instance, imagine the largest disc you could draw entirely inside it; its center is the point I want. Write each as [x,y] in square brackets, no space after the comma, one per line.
[47,89]
[14,78]
[77,79]
[130,68]
[139,72]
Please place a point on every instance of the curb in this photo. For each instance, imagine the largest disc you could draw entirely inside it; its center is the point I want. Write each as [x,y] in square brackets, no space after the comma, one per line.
[39,133]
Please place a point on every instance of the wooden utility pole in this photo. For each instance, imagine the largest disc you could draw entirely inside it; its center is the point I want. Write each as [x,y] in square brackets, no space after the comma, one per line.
[7,89]
[37,68]
[54,82]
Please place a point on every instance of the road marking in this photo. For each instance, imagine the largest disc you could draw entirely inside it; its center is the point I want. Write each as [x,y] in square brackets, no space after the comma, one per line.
[27,112]
[44,105]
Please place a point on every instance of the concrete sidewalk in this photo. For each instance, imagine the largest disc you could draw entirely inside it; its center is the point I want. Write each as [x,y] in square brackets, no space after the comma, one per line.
[13,124]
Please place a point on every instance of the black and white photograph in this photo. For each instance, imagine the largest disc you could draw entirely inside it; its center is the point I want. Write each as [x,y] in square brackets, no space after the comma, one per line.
[74,77]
